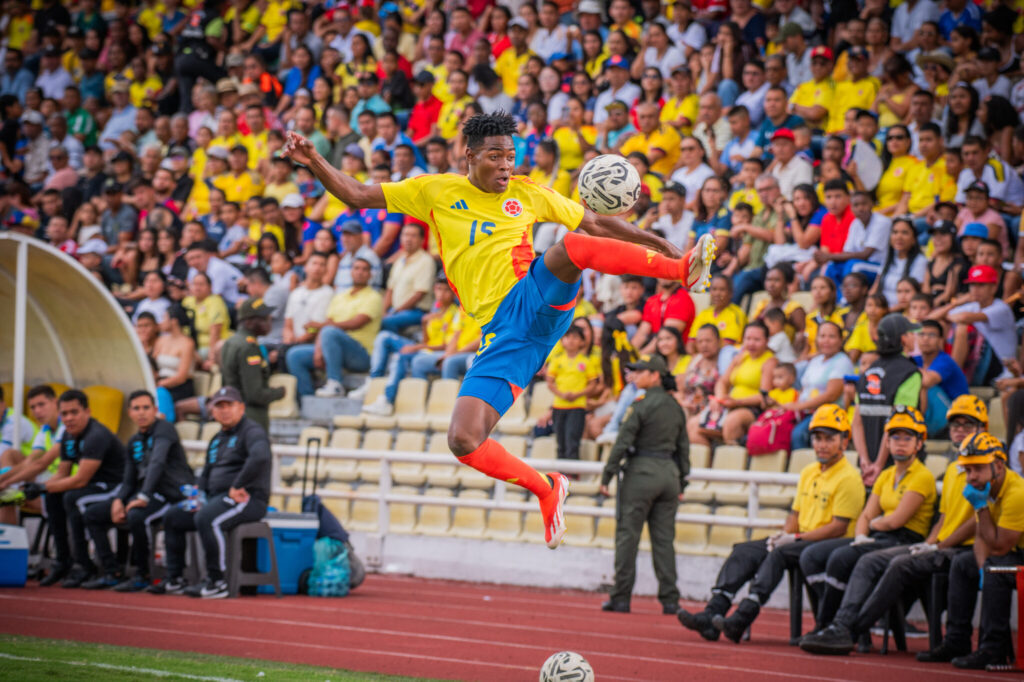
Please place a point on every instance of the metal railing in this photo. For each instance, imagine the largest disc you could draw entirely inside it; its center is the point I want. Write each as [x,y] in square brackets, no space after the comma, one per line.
[384,497]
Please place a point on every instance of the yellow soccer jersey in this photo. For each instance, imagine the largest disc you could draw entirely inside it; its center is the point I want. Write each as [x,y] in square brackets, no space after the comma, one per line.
[572,375]
[484,239]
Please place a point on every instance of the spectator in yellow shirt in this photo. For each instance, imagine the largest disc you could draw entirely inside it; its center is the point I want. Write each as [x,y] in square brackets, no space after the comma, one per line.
[928,181]
[511,63]
[145,86]
[571,376]
[680,111]
[812,99]
[900,169]
[858,92]
[546,169]
[239,183]
[658,141]
[447,125]
[724,315]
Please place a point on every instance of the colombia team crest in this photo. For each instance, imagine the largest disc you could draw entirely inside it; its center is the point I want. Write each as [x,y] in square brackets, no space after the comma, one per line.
[513,208]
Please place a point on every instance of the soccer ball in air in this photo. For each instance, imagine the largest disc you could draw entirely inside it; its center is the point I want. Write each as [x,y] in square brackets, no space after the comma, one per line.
[609,184]
[566,666]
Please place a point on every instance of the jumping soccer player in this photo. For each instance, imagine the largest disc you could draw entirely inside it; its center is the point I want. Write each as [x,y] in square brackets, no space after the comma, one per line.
[483,223]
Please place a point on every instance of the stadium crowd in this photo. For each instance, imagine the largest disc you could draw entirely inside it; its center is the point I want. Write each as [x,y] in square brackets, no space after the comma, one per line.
[858,164]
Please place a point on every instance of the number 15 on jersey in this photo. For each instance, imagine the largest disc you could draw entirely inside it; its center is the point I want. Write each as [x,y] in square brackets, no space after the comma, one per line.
[484,228]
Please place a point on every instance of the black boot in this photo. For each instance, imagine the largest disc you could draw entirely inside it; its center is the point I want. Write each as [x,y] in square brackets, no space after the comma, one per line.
[735,625]
[943,653]
[57,573]
[833,640]
[615,606]
[979,660]
[701,622]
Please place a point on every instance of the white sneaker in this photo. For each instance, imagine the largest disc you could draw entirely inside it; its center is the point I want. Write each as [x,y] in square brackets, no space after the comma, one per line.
[380,407]
[360,392]
[332,389]
[607,437]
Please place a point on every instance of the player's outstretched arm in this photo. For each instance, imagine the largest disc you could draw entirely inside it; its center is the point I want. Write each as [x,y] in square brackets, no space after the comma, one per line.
[613,227]
[353,193]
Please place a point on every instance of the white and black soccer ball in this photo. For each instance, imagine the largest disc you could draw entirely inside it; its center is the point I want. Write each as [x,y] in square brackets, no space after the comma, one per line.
[609,184]
[566,666]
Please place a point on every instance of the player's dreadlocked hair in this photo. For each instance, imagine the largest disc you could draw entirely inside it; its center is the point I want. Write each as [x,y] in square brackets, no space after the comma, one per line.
[488,125]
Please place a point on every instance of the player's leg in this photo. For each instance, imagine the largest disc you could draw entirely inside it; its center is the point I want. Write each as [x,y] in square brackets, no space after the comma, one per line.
[578,252]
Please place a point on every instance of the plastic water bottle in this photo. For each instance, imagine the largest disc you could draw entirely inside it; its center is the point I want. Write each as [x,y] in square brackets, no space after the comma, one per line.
[194,498]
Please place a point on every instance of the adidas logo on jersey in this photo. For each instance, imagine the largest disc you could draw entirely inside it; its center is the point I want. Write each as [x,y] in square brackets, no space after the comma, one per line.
[460,205]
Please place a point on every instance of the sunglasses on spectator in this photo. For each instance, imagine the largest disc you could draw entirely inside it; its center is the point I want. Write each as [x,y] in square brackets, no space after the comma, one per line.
[896,137]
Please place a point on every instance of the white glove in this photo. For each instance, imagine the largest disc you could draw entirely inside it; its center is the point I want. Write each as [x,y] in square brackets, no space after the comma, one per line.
[923,548]
[779,540]
[862,540]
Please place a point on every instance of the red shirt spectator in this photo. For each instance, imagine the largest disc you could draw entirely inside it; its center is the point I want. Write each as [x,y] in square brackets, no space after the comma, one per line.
[424,115]
[669,304]
[834,230]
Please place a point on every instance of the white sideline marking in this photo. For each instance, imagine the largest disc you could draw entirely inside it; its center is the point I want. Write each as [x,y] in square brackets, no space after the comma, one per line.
[121,668]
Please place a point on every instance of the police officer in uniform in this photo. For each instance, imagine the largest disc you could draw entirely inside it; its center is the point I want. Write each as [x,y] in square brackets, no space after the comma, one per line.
[244,365]
[236,482]
[155,470]
[653,438]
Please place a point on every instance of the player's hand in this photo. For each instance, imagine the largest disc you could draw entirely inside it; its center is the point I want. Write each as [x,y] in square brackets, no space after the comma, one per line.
[299,149]
[239,495]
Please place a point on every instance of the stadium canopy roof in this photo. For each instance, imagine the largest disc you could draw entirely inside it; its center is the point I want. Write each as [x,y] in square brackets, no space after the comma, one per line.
[61,325]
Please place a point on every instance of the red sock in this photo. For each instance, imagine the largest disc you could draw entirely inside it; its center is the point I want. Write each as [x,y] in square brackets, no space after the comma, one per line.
[497,462]
[615,257]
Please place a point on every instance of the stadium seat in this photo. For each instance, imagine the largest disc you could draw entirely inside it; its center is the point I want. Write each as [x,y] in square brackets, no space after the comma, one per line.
[504,525]
[105,403]
[589,451]
[782,495]
[544,448]
[692,538]
[533,527]
[443,475]
[365,513]
[728,457]
[306,440]
[471,478]
[722,538]
[701,301]
[996,419]
[853,458]
[986,393]
[343,469]
[187,430]
[774,462]
[402,514]
[588,485]
[337,506]
[579,528]
[804,300]
[937,447]
[439,408]
[755,300]
[516,445]
[434,519]
[216,381]
[356,421]
[700,458]
[605,535]
[773,514]
[541,399]
[201,382]
[937,465]
[409,404]
[514,421]
[409,473]
[369,469]
[208,431]
[286,407]
[469,522]
[645,539]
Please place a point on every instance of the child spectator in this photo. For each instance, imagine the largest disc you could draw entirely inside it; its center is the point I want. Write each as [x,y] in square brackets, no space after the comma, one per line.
[919,308]
[742,215]
[234,244]
[783,381]
[865,333]
[778,340]
[571,376]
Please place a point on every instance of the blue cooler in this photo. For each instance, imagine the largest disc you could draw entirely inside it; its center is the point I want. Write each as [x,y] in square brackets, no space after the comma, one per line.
[294,535]
[14,556]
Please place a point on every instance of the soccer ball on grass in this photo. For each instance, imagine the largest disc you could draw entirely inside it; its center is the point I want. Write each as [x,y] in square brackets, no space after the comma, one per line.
[609,184]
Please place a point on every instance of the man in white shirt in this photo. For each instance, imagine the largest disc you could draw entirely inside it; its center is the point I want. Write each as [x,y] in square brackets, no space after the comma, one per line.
[620,88]
[755,84]
[798,55]
[201,257]
[788,168]
[352,243]
[410,281]
[791,12]
[740,148]
[908,17]
[867,240]
[52,78]
[550,37]
[711,125]
[1004,184]
[674,221]
[991,81]
[306,309]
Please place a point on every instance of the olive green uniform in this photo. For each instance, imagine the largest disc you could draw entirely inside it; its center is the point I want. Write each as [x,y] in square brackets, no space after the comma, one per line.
[244,367]
[653,449]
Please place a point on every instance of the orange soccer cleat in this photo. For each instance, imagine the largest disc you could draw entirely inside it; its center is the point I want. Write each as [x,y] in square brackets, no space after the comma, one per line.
[695,265]
[551,509]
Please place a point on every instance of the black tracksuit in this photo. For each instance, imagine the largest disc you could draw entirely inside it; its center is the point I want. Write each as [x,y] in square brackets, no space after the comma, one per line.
[236,458]
[155,469]
[65,510]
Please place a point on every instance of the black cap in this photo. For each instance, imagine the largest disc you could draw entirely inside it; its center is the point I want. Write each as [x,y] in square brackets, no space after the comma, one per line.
[989,54]
[655,363]
[352,227]
[977,186]
[947,226]
[51,51]
[112,186]
[890,329]
[122,156]
[227,394]
[254,307]
[88,53]
[424,77]
[178,150]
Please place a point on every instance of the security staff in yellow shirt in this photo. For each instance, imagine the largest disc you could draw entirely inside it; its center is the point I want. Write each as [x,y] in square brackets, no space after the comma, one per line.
[828,497]
[898,512]
[996,494]
[880,578]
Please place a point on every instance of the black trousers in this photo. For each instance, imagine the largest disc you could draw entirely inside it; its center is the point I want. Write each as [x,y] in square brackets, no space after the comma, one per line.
[218,516]
[138,520]
[568,424]
[829,563]
[751,561]
[904,572]
[994,630]
[66,514]
[189,67]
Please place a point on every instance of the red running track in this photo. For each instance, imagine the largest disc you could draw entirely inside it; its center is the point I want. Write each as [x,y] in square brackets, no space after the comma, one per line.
[449,630]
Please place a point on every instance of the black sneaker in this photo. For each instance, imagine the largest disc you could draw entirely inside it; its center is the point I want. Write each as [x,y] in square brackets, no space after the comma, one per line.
[215,589]
[102,582]
[979,660]
[699,623]
[943,653]
[56,574]
[735,626]
[76,577]
[168,586]
[835,640]
[670,609]
[615,606]
[136,584]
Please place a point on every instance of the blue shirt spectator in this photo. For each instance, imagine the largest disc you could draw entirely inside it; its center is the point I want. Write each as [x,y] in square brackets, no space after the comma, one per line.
[294,80]
[953,381]
[970,15]
[374,222]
